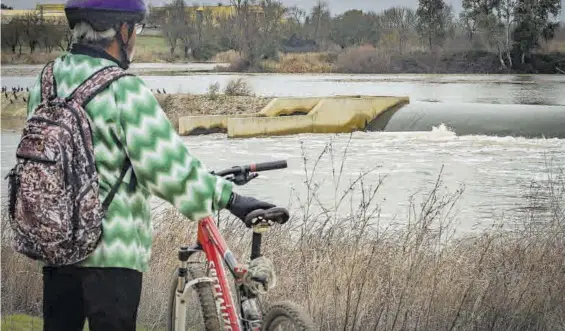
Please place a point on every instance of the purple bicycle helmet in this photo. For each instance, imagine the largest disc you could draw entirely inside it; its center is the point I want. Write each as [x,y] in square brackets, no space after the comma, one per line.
[104,14]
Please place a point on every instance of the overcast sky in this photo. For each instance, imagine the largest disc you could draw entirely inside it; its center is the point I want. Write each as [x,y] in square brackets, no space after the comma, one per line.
[336,6]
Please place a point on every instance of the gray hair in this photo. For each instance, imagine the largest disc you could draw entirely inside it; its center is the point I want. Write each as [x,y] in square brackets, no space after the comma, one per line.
[83,33]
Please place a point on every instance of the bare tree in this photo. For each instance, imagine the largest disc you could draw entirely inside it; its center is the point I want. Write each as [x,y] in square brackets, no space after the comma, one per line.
[247,29]
[52,34]
[172,20]
[32,30]
[506,17]
[271,27]
[492,22]
[227,31]
[319,22]
[400,24]
[66,34]
[187,30]
[13,34]
[432,22]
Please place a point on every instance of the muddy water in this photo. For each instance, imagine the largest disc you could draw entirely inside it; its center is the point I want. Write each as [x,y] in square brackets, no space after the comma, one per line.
[483,89]
[501,133]
[495,171]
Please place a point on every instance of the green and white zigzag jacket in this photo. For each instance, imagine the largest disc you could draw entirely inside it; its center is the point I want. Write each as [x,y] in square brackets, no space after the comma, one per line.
[162,164]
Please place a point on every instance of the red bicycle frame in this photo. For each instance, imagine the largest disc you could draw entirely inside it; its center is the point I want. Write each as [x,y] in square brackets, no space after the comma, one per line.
[216,250]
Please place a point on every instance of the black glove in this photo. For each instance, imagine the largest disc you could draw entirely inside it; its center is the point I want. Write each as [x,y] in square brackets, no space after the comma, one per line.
[241,206]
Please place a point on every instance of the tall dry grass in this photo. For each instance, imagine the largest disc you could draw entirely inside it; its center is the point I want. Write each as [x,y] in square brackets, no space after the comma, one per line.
[226,57]
[35,58]
[352,271]
[296,63]
[364,59]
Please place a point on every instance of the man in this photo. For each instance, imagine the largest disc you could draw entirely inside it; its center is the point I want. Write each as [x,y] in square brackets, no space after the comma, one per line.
[127,124]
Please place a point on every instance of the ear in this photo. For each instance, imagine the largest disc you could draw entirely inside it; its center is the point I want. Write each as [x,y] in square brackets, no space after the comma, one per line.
[124,31]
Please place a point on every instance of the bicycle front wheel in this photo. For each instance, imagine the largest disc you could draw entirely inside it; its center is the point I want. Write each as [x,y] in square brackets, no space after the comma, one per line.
[287,316]
[200,306]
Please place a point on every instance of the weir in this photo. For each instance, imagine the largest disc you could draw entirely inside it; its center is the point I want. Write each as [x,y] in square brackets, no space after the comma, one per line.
[529,121]
[283,116]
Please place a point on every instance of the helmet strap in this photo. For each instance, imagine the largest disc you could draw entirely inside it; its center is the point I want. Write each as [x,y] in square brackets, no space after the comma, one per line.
[125,61]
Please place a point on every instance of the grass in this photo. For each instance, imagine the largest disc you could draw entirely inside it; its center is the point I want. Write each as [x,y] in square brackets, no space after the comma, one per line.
[21,322]
[148,49]
[352,271]
[26,58]
[153,49]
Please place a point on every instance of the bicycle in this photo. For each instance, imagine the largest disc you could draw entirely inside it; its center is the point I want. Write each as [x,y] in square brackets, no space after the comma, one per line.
[218,309]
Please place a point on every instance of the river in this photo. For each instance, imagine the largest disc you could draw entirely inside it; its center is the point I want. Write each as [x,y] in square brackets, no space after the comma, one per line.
[492,134]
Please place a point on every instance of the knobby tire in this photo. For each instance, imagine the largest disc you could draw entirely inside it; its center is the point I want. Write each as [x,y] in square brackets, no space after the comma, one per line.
[287,311]
[205,293]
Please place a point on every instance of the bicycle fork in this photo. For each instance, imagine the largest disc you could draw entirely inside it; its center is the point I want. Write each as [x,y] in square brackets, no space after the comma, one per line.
[184,288]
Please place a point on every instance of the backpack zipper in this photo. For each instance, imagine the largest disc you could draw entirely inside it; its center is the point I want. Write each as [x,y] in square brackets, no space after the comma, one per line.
[35,159]
[46,120]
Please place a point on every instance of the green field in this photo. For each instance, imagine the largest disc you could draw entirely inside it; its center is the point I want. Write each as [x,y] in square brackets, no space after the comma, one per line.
[148,49]
[156,49]
[29,323]
[151,44]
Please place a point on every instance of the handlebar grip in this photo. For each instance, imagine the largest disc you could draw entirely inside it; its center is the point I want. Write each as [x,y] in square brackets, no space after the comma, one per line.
[256,167]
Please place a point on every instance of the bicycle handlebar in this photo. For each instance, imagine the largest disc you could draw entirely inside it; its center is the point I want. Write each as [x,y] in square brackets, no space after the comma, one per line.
[266,166]
[254,167]
[258,219]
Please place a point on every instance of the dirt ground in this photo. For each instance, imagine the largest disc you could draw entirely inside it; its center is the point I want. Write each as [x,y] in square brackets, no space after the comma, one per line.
[174,105]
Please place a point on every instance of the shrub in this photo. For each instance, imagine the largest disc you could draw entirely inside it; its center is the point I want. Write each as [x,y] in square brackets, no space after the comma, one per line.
[226,57]
[299,63]
[364,59]
[213,90]
[238,87]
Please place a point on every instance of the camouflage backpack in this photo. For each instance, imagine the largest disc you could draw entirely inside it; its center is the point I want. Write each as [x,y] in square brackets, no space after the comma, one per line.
[55,210]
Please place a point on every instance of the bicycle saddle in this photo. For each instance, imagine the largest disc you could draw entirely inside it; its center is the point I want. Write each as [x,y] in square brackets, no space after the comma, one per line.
[274,215]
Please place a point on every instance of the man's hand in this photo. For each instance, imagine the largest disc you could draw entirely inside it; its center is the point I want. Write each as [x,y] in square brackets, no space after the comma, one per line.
[241,206]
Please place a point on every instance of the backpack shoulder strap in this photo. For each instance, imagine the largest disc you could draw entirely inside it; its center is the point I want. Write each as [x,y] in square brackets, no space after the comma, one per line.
[48,84]
[96,83]
[84,93]
[108,200]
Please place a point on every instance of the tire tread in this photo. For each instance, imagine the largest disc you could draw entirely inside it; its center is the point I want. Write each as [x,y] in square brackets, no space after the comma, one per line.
[290,310]
[205,296]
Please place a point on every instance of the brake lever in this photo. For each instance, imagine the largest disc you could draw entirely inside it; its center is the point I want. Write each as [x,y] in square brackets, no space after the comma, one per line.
[244,178]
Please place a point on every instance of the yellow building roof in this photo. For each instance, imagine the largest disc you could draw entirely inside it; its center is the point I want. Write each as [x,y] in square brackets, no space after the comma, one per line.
[51,7]
[58,10]
[7,15]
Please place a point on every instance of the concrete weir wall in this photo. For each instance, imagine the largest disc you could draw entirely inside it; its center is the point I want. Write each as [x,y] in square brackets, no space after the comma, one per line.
[283,116]
[194,125]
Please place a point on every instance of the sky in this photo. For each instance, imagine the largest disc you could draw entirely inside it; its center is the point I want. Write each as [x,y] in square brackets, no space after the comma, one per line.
[336,6]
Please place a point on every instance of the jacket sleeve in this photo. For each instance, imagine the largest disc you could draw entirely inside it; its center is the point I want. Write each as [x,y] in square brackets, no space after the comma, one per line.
[161,161]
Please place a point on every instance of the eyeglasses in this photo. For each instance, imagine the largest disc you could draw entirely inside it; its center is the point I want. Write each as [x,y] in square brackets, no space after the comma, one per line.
[138,27]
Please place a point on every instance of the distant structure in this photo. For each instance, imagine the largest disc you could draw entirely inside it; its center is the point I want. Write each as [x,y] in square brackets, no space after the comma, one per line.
[58,10]
[215,11]
[45,11]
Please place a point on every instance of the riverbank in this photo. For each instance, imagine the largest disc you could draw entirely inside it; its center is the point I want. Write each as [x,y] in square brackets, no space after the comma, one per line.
[361,60]
[353,274]
[369,60]
[175,105]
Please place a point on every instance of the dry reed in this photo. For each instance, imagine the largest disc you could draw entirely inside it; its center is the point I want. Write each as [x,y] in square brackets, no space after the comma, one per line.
[353,272]
[295,63]
[226,57]
[364,59]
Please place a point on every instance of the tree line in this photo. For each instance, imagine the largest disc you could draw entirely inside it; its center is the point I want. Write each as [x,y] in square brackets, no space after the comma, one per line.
[262,29]
[34,32]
